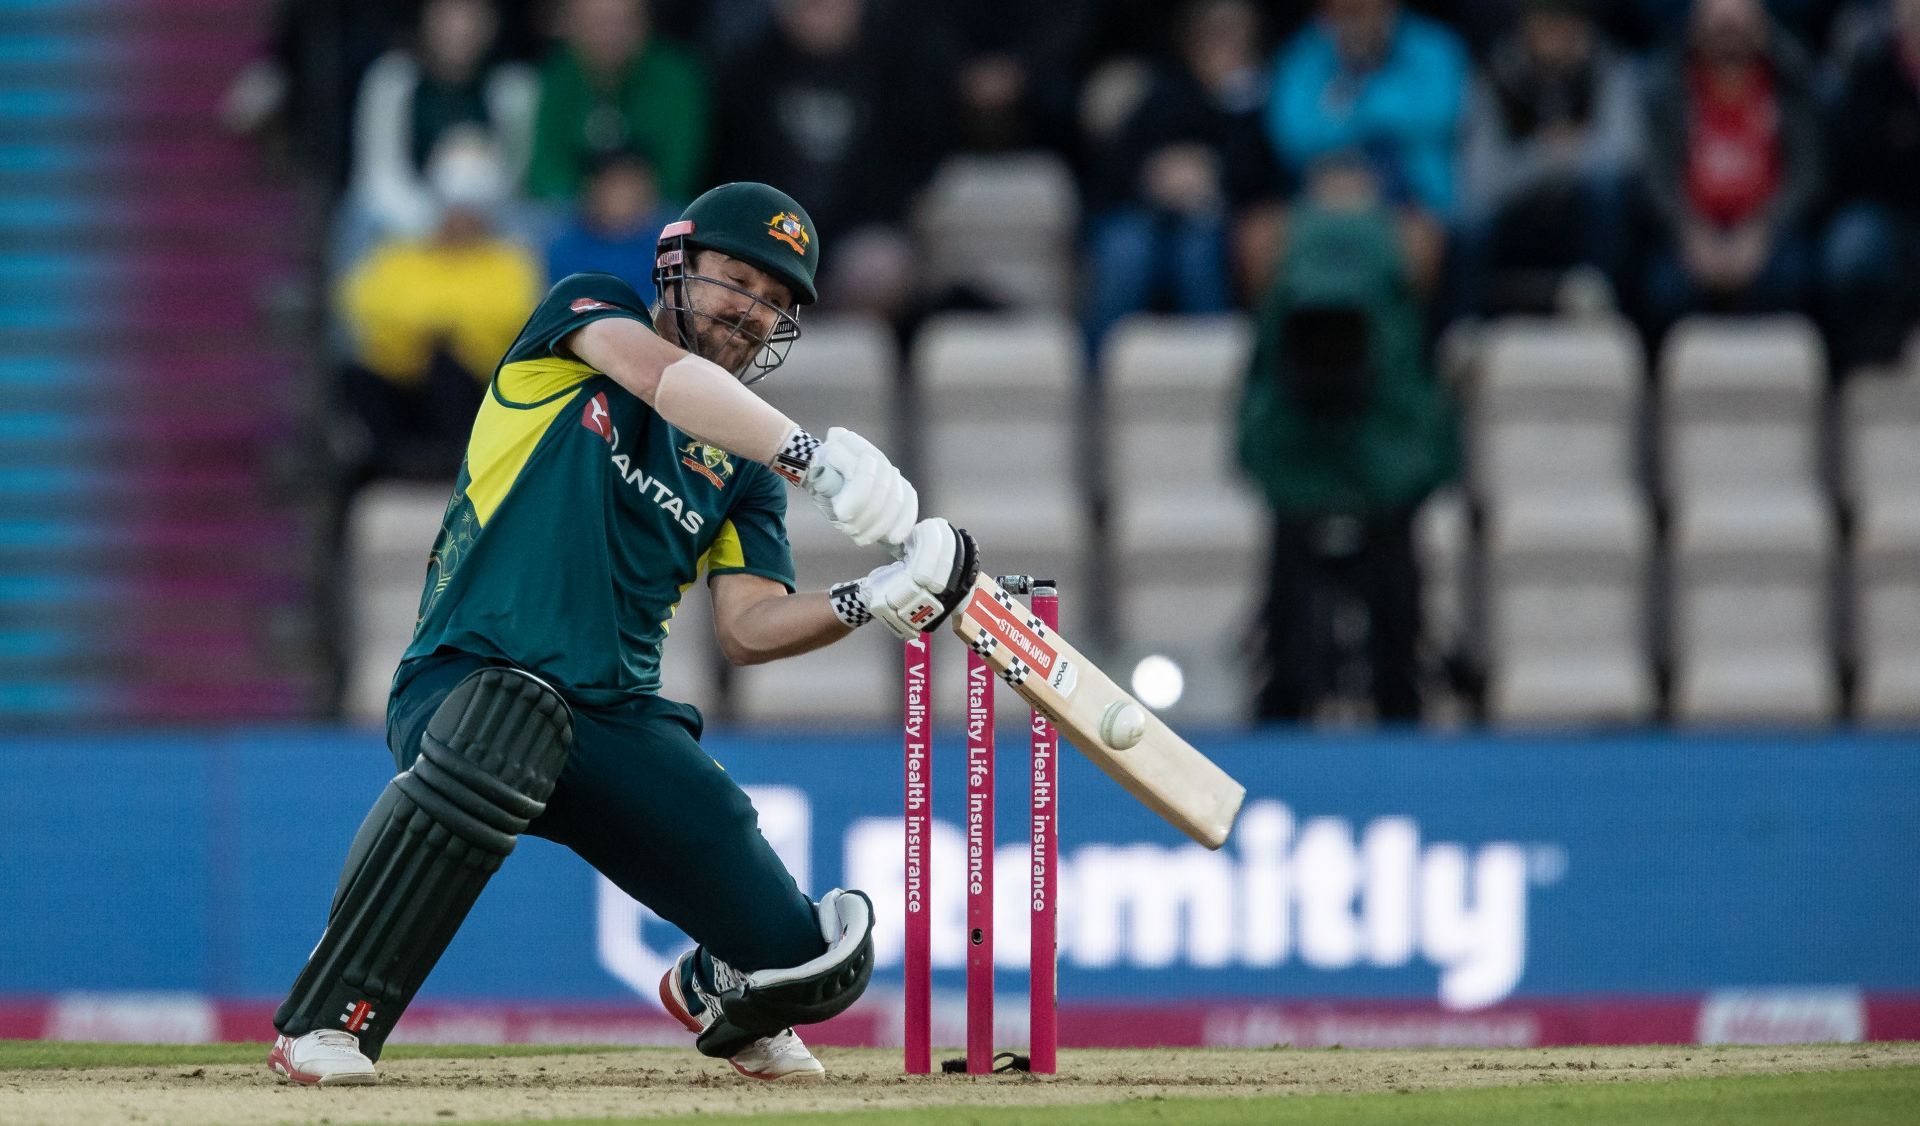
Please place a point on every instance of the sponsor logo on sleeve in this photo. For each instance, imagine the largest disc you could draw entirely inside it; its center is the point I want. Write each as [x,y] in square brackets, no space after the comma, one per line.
[595,417]
[588,305]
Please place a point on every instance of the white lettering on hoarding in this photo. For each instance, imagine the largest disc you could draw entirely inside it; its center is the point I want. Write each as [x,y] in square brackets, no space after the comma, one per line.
[1318,893]
[1324,893]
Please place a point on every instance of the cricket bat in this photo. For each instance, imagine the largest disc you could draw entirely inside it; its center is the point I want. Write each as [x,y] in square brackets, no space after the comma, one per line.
[1098,717]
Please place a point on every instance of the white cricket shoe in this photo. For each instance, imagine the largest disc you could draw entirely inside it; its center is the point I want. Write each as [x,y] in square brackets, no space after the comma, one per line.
[780,1056]
[326,1057]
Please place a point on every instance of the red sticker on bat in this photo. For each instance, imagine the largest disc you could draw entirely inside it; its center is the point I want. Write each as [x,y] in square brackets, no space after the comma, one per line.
[1003,625]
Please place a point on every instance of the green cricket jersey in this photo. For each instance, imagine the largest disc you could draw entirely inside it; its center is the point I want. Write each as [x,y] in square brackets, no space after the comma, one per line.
[580,517]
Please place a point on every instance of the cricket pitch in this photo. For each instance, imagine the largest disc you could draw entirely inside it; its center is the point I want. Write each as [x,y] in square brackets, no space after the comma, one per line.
[494,1085]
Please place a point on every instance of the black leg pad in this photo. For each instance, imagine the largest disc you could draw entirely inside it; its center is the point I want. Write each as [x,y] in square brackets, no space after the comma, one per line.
[488,762]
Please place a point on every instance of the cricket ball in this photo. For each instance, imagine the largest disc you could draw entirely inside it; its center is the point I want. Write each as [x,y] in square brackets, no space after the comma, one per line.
[1123,724]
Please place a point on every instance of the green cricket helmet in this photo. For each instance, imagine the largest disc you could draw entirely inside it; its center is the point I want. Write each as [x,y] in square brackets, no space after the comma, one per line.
[757,224]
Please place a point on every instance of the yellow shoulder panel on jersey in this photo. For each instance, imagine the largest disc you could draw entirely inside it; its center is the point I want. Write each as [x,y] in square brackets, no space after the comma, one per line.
[724,552]
[503,439]
[530,383]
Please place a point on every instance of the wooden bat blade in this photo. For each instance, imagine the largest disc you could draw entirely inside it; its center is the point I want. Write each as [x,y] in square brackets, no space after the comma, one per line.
[1162,770]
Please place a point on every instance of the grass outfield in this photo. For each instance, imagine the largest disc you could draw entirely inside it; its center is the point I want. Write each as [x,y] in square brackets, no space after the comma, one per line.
[216,1084]
[1884,1097]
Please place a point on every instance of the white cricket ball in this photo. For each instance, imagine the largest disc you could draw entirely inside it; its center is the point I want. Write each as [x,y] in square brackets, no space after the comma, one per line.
[1123,724]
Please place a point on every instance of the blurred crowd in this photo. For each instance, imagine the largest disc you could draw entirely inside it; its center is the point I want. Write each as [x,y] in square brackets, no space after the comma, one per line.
[1663,155]
[1360,173]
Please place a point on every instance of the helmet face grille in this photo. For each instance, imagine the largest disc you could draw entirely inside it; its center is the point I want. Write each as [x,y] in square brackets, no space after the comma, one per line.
[671,278]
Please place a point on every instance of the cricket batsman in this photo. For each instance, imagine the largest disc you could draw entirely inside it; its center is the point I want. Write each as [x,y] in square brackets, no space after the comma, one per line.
[617,458]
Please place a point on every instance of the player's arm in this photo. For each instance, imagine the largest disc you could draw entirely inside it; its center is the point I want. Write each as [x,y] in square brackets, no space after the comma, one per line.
[756,619]
[850,481]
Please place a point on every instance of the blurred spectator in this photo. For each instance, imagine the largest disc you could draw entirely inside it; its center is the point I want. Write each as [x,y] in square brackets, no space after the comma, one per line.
[1554,129]
[841,121]
[429,318]
[1871,260]
[1166,188]
[1734,166]
[1368,78]
[615,228]
[611,85]
[1014,67]
[299,97]
[1346,431]
[1664,22]
[410,99]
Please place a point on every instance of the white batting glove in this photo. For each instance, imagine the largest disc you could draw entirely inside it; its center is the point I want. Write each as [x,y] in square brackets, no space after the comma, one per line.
[932,578]
[860,492]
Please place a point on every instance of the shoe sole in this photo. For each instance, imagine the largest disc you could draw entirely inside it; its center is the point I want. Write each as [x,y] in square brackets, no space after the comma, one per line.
[677,1009]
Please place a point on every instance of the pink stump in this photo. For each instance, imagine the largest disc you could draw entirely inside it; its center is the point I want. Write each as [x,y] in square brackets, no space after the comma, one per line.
[917,727]
[1043,900]
[979,865]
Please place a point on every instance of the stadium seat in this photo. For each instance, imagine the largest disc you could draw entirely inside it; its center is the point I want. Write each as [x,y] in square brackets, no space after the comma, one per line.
[1171,386]
[1003,224]
[853,681]
[1752,532]
[1753,652]
[1203,626]
[1188,532]
[390,533]
[1552,422]
[1882,479]
[1443,539]
[690,659]
[1001,417]
[843,371]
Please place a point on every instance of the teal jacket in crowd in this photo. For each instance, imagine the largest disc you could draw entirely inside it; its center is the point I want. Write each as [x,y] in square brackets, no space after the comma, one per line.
[1395,440]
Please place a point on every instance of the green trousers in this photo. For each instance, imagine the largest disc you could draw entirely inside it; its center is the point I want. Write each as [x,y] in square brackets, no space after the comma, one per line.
[641,802]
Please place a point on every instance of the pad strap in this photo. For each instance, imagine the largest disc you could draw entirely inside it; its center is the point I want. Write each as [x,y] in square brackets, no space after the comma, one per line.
[768,1001]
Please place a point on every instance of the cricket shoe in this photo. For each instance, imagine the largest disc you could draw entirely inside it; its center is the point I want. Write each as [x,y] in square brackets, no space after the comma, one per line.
[326,1057]
[780,1056]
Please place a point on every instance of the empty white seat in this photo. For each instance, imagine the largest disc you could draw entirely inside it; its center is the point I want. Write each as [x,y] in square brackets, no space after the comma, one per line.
[1882,445]
[1581,529]
[1785,525]
[853,681]
[1887,630]
[1760,687]
[999,420]
[390,532]
[1202,626]
[1569,652]
[843,371]
[690,657]
[997,363]
[1734,366]
[1752,651]
[1571,688]
[1004,223]
[1163,367]
[1442,536]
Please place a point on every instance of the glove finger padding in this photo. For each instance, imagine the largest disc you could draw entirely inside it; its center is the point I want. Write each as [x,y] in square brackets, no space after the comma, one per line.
[769,1001]
[948,577]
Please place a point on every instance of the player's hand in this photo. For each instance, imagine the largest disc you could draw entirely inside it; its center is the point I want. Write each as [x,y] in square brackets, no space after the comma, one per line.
[860,492]
[933,577]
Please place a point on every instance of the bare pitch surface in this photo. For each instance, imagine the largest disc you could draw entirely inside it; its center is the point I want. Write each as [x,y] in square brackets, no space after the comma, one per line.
[500,1085]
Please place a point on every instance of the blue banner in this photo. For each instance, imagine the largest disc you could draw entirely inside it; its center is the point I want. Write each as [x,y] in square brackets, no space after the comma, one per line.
[1466,870]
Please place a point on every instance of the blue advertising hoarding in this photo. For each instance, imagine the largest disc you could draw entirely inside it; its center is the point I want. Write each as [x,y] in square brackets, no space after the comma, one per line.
[1459,872]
